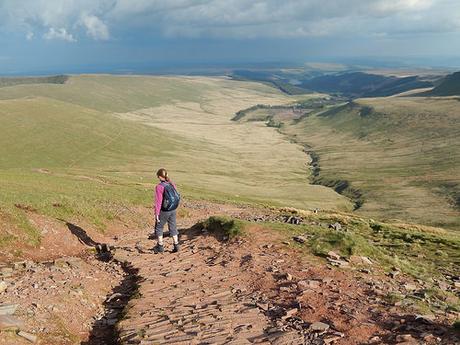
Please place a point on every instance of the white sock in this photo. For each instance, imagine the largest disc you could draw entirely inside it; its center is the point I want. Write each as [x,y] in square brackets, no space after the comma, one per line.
[176,239]
[160,240]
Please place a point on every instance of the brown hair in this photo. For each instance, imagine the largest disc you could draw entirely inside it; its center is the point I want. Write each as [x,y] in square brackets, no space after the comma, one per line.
[163,173]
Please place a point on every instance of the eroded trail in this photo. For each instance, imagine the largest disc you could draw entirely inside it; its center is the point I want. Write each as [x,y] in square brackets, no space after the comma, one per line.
[190,298]
[257,289]
[237,292]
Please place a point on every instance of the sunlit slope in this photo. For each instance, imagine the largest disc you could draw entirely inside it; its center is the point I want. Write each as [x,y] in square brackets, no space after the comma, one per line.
[125,93]
[403,153]
[45,133]
[72,146]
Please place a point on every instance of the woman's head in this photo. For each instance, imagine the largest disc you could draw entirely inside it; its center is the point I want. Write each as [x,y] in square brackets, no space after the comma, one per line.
[162,174]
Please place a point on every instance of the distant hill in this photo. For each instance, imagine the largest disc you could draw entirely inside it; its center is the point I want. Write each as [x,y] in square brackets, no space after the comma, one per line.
[279,80]
[348,84]
[11,81]
[450,86]
[360,84]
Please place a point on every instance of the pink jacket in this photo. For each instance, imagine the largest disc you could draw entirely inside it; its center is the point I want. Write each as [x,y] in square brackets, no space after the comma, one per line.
[159,189]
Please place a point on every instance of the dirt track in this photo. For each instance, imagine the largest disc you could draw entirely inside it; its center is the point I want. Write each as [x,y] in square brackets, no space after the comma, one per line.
[252,290]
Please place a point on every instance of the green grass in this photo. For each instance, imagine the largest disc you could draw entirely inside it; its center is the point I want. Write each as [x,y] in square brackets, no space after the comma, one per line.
[397,155]
[88,149]
[414,250]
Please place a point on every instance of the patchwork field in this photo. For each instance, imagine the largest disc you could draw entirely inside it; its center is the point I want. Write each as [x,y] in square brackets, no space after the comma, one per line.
[89,148]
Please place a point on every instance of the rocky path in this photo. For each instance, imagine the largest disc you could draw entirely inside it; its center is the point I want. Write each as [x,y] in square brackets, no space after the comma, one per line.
[189,298]
[259,289]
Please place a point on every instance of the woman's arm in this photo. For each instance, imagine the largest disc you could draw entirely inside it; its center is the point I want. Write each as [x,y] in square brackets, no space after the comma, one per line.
[159,189]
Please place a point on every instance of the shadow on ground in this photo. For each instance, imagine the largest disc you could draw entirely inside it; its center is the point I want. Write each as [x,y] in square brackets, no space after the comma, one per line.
[104,331]
[81,234]
[404,327]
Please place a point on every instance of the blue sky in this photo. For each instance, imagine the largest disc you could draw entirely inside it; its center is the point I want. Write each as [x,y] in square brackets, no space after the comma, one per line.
[96,35]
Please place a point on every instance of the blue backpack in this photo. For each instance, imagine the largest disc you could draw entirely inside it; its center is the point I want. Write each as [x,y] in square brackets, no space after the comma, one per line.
[171,197]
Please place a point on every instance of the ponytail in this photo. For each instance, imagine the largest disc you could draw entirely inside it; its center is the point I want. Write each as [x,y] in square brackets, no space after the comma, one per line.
[163,173]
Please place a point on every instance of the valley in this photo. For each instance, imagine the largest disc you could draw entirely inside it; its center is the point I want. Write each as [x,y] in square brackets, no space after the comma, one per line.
[305,218]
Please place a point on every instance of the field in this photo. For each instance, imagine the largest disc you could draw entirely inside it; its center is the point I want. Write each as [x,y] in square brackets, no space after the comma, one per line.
[88,149]
[400,152]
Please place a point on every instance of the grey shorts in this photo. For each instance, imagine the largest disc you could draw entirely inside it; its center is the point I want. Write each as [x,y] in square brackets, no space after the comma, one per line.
[166,217]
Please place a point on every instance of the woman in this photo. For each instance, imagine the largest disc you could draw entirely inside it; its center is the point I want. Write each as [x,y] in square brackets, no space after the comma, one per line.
[166,202]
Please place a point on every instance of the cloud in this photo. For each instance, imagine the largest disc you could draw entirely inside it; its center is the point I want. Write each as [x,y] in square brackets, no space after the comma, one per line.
[59,34]
[30,35]
[100,19]
[95,27]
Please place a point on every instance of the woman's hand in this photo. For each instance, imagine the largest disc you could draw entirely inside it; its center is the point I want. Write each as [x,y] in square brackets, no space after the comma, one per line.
[158,218]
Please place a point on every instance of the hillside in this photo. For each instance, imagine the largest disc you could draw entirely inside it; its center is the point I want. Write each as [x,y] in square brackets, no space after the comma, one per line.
[360,84]
[449,86]
[395,156]
[265,255]
[11,81]
[91,146]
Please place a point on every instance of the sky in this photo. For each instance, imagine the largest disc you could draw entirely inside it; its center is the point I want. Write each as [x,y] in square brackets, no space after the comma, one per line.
[121,35]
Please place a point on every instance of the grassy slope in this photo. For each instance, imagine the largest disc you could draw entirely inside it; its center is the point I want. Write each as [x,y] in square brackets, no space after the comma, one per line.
[429,254]
[401,152]
[89,148]
[402,155]
[450,86]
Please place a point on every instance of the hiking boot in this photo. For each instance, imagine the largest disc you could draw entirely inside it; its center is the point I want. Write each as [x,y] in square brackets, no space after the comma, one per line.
[159,248]
[176,248]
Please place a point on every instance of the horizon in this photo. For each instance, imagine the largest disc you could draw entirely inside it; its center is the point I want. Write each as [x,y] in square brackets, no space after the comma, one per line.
[105,36]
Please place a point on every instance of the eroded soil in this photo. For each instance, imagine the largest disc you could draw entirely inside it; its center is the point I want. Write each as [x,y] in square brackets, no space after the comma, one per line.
[256,289]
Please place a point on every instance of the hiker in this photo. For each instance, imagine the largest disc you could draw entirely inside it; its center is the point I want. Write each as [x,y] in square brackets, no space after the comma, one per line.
[166,202]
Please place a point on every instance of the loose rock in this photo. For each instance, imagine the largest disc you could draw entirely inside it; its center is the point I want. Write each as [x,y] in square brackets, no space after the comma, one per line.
[3,286]
[333,255]
[319,327]
[336,226]
[300,239]
[30,337]
[8,309]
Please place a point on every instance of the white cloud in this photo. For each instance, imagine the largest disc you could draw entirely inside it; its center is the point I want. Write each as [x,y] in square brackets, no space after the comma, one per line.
[228,18]
[95,27]
[59,34]
[30,35]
